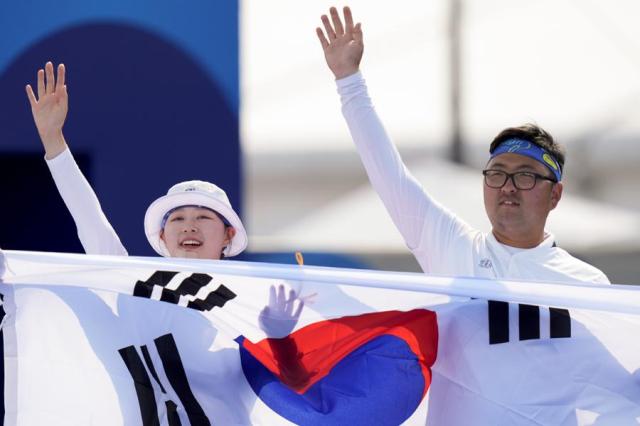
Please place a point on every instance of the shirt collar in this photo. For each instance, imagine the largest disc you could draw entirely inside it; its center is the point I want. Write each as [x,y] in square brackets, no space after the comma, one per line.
[499,248]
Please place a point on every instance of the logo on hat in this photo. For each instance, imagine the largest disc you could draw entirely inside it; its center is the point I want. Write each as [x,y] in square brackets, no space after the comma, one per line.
[550,161]
[517,145]
[193,193]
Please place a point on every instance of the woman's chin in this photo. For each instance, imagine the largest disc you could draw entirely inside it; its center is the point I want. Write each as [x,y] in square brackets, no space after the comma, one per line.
[193,254]
[186,254]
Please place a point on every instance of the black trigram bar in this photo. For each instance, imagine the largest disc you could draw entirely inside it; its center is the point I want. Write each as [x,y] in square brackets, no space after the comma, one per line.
[174,370]
[528,322]
[559,323]
[161,278]
[142,383]
[152,369]
[169,296]
[172,413]
[189,286]
[218,298]
[192,284]
[498,322]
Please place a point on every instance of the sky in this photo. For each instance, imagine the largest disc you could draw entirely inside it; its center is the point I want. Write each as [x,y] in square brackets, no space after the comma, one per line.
[568,65]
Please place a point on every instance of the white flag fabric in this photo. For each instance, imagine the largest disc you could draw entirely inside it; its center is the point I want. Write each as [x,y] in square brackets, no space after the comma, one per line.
[99,340]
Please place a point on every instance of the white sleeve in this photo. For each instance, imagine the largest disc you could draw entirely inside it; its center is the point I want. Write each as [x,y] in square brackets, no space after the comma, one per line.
[429,230]
[2,266]
[94,230]
[601,278]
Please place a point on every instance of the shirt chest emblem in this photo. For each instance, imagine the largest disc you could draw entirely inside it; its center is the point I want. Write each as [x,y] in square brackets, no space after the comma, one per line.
[486,263]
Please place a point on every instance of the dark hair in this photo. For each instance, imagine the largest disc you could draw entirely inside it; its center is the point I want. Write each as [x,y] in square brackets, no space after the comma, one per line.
[534,134]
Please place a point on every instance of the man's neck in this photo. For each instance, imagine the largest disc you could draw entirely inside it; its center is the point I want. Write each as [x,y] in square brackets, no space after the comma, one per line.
[519,241]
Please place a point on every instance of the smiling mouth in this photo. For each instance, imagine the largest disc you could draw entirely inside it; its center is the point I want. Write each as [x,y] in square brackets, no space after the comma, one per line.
[190,244]
[509,203]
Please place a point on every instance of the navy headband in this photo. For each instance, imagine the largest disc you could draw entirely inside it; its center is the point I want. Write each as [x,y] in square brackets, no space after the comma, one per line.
[167,214]
[531,150]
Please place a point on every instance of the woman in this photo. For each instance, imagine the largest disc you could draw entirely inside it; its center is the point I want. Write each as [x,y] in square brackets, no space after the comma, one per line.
[194,220]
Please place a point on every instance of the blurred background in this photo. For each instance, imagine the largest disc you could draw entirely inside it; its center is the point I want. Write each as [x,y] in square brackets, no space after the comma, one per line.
[238,93]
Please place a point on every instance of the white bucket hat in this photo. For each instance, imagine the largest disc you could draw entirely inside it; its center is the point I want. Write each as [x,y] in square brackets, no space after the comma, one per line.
[193,193]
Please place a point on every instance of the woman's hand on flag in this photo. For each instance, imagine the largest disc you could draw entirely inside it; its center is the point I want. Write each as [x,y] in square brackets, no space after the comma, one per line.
[280,316]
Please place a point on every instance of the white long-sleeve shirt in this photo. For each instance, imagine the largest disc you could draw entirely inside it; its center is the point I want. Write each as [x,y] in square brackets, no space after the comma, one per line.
[441,242]
[94,230]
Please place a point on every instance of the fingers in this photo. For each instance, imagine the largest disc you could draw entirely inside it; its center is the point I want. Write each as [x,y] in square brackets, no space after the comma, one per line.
[40,83]
[291,301]
[31,96]
[60,80]
[348,19]
[296,315]
[272,296]
[334,28]
[280,303]
[309,297]
[331,35]
[281,299]
[50,81]
[323,40]
[337,22]
[357,33]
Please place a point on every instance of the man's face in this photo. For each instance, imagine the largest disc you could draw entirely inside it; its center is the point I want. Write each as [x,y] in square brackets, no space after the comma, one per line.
[197,233]
[519,216]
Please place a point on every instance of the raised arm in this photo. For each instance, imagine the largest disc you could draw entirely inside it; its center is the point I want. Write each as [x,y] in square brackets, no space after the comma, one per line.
[427,228]
[49,110]
[342,44]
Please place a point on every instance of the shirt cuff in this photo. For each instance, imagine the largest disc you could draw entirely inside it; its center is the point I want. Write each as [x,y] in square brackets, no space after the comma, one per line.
[61,158]
[349,80]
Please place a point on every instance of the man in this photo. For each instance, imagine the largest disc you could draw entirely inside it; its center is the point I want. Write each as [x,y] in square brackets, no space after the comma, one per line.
[522,184]
[498,363]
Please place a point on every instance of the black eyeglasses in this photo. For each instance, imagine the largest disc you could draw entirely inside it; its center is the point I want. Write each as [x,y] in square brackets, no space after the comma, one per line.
[521,180]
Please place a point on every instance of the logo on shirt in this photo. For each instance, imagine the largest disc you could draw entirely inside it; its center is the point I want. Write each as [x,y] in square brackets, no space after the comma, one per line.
[486,263]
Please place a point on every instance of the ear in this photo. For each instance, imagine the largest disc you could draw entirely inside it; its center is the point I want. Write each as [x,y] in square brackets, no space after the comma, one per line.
[556,194]
[230,232]
[162,235]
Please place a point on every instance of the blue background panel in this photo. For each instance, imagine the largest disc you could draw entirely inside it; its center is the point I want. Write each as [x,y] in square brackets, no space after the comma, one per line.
[153,89]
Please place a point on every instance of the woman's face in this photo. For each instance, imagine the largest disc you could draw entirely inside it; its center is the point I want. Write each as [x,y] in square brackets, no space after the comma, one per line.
[197,233]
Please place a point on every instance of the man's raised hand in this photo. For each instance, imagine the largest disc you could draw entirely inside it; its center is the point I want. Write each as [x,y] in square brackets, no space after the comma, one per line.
[50,108]
[342,43]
